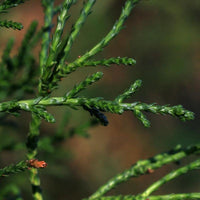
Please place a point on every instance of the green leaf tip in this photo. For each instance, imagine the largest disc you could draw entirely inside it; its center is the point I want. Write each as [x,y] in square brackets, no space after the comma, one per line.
[40,112]
[133,88]
[142,118]
[182,113]
[176,111]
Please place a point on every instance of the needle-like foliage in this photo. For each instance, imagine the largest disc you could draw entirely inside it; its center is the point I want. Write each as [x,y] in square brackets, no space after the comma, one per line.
[4,6]
[46,74]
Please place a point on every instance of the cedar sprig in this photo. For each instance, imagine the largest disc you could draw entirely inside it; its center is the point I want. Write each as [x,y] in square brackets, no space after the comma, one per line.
[184,196]
[81,86]
[41,112]
[59,7]
[108,62]
[176,111]
[11,24]
[69,40]
[32,144]
[48,77]
[6,4]
[170,176]
[33,136]
[48,7]
[103,62]
[48,11]
[14,168]
[116,106]
[145,166]
[104,42]
[137,108]
[62,69]
[53,66]
[133,88]
[56,40]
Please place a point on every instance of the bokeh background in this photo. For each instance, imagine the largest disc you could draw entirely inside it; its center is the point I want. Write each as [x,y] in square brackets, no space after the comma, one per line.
[163,37]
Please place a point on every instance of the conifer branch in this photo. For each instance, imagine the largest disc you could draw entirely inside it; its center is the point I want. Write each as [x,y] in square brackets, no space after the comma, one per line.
[104,42]
[97,103]
[65,46]
[31,144]
[48,12]
[133,88]
[11,24]
[108,62]
[187,196]
[6,4]
[53,67]
[172,175]
[56,40]
[37,113]
[62,69]
[142,167]
[68,41]
[81,86]
[10,4]
[14,168]
[20,167]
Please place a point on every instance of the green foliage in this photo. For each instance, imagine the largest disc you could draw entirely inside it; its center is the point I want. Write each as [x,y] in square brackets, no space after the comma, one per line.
[11,24]
[53,66]
[108,62]
[12,169]
[11,191]
[6,4]
[81,86]
[157,197]
[146,166]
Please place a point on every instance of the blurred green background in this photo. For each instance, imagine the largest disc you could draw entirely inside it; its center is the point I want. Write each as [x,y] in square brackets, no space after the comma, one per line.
[163,37]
